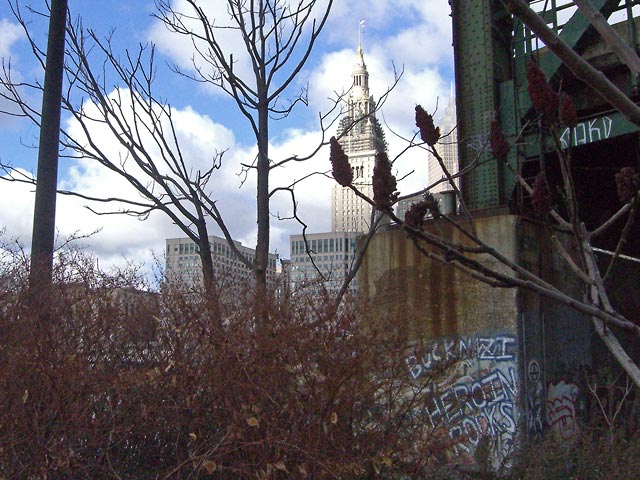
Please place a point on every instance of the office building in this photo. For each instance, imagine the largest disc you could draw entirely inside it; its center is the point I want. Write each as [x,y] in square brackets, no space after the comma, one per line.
[322,258]
[183,266]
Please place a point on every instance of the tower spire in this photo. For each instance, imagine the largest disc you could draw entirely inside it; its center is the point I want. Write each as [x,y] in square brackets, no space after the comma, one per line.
[360,31]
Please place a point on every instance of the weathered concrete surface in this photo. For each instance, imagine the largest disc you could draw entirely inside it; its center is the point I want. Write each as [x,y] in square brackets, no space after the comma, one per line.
[437,299]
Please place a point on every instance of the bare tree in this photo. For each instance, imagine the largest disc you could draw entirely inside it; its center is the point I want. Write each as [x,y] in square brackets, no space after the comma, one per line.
[277,38]
[150,157]
[628,183]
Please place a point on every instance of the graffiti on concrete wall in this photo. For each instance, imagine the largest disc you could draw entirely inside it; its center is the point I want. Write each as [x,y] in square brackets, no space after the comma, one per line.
[471,392]
[561,408]
[535,399]
[499,348]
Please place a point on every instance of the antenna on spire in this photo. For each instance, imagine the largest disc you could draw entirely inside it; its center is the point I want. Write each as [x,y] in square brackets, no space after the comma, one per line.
[360,30]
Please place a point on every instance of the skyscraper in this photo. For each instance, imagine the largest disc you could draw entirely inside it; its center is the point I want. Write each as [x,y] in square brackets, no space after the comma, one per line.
[327,257]
[447,147]
[360,136]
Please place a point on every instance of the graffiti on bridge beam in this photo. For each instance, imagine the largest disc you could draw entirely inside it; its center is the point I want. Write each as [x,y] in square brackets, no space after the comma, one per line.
[588,131]
[561,408]
[535,399]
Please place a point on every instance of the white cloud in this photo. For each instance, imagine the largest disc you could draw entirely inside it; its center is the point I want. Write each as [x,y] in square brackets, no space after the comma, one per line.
[200,139]
[118,239]
[180,47]
[10,33]
[312,193]
[16,205]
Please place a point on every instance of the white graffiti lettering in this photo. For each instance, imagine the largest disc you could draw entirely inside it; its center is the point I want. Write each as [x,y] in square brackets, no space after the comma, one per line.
[442,352]
[589,131]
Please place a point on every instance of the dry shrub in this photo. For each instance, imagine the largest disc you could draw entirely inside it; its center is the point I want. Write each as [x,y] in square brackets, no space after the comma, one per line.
[588,456]
[120,383]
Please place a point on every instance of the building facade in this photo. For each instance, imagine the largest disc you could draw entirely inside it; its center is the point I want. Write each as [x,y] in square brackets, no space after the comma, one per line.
[183,266]
[322,258]
[447,148]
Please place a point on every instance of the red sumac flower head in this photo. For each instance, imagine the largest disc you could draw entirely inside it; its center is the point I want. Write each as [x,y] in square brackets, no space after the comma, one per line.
[568,115]
[627,183]
[340,167]
[541,196]
[499,146]
[414,218]
[384,183]
[428,131]
[543,98]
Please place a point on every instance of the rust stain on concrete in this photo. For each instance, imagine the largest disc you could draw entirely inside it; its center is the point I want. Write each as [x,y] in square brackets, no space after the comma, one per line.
[434,298]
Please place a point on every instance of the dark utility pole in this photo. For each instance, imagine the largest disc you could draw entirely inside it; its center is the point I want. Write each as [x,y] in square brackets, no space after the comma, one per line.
[44,217]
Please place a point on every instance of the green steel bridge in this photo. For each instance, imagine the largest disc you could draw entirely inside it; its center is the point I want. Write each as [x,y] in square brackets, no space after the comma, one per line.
[492,48]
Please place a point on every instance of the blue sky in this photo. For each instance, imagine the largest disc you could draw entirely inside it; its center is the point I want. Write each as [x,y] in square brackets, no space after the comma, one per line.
[410,34]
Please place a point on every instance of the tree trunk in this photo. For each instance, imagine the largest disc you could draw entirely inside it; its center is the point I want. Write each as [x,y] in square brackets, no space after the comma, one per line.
[44,217]
[598,296]
[206,262]
[212,295]
[262,195]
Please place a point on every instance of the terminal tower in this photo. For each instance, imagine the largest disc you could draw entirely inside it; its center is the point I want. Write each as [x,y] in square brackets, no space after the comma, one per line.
[361,136]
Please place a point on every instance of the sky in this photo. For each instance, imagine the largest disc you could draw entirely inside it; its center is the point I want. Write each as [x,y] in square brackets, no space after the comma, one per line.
[412,36]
